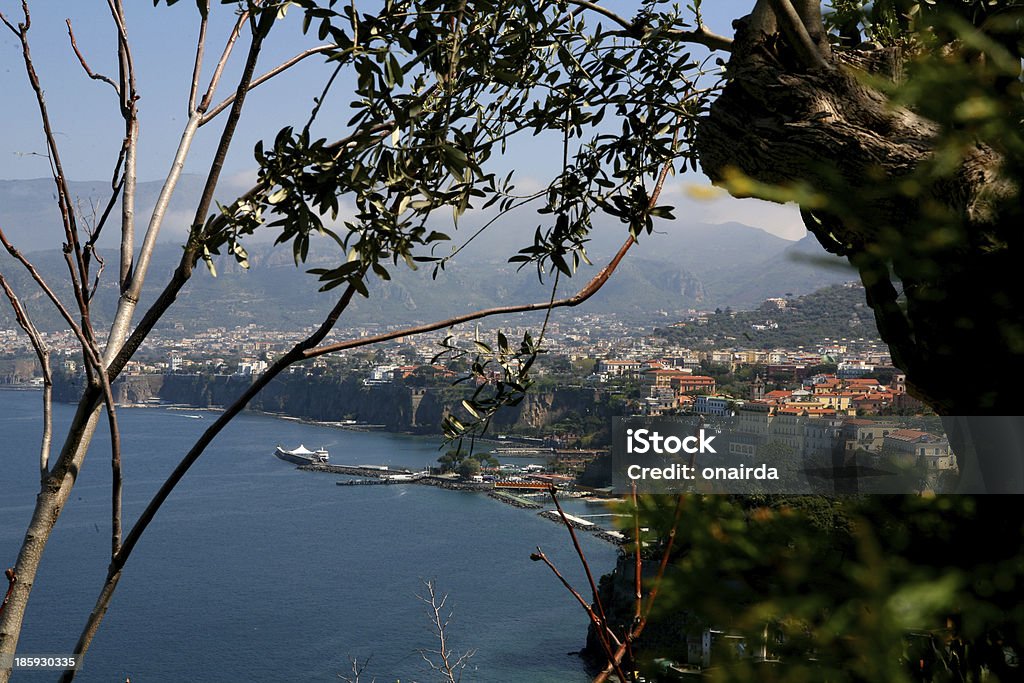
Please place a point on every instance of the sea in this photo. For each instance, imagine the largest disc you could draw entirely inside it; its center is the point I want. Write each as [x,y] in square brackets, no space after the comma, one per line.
[256,571]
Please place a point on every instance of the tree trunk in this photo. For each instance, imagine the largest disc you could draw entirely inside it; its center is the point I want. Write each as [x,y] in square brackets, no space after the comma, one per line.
[936,259]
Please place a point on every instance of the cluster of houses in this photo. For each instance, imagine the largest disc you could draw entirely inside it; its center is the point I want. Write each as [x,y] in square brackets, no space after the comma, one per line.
[822,435]
[678,389]
[825,413]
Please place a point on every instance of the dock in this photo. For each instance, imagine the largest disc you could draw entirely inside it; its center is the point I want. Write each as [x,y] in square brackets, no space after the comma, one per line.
[514,500]
[369,471]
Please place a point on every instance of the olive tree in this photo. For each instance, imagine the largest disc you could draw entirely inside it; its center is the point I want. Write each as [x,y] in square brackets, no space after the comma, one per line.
[896,124]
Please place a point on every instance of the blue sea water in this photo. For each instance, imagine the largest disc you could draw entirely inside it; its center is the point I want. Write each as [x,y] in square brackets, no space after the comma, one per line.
[255,571]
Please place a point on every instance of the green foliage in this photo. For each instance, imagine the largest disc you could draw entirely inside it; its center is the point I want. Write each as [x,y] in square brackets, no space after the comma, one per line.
[501,375]
[830,313]
[844,581]
[440,93]
[455,459]
[468,468]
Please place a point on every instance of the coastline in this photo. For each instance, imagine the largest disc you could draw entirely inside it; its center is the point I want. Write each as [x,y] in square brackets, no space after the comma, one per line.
[451,485]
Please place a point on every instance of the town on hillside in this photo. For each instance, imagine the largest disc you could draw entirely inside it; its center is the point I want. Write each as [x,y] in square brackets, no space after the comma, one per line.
[593,367]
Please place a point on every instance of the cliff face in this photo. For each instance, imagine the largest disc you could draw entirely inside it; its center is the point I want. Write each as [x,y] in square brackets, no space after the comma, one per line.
[540,409]
[397,407]
[18,370]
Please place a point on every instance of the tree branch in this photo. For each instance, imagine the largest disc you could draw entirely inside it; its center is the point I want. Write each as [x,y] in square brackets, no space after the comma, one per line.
[50,294]
[198,65]
[129,112]
[222,62]
[43,355]
[76,265]
[130,297]
[119,559]
[604,633]
[450,670]
[283,66]
[81,60]
[797,36]
[640,622]
[700,35]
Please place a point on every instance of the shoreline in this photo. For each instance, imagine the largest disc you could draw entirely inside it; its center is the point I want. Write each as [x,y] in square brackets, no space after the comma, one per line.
[377,477]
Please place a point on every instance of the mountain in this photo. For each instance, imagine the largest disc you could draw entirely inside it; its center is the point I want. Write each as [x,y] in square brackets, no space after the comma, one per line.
[801,267]
[31,220]
[683,265]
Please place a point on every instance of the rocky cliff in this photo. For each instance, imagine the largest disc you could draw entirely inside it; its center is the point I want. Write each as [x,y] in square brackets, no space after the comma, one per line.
[328,398]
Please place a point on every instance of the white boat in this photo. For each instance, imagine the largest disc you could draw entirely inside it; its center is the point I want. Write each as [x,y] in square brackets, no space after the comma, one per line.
[303,456]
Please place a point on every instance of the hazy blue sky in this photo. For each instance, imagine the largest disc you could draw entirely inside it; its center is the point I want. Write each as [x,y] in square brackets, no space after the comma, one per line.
[88,127]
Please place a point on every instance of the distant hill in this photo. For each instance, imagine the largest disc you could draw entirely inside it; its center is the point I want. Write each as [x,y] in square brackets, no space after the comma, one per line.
[29,215]
[682,266]
[835,312]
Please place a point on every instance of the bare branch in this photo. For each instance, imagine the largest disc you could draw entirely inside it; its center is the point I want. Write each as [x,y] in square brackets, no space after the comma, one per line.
[283,66]
[594,618]
[586,569]
[76,265]
[702,36]
[576,299]
[130,297]
[14,29]
[97,229]
[222,62]
[594,7]
[357,670]
[129,112]
[450,668]
[81,60]
[641,622]
[43,355]
[198,66]
[50,294]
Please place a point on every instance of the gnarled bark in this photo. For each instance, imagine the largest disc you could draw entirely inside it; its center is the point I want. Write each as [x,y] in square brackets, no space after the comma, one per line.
[937,260]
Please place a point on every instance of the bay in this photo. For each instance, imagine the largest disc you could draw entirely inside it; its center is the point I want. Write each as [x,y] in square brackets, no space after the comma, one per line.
[255,571]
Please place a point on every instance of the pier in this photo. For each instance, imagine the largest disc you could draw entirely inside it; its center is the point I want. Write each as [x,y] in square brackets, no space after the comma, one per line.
[369,471]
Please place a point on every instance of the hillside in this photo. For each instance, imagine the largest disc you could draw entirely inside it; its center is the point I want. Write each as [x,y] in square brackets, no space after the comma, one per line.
[835,312]
[684,265]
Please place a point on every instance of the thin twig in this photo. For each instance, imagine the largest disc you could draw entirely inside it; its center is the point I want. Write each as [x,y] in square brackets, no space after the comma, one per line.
[222,62]
[700,35]
[639,624]
[43,355]
[76,265]
[50,294]
[449,669]
[605,631]
[587,291]
[198,65]
[81,60]
[283,66]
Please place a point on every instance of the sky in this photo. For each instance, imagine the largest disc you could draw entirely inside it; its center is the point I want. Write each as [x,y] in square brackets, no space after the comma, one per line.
[89,130]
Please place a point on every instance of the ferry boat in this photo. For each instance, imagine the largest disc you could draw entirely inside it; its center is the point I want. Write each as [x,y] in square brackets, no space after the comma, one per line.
[303,456]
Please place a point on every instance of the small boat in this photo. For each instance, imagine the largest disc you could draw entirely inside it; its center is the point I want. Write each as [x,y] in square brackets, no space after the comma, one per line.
[303,456]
